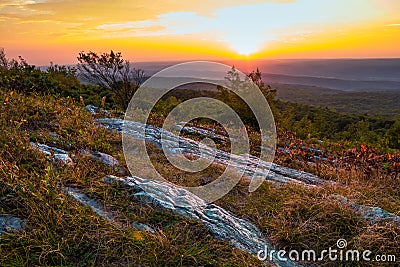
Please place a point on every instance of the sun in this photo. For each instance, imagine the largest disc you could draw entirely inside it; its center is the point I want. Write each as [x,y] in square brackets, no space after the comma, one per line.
[244,47]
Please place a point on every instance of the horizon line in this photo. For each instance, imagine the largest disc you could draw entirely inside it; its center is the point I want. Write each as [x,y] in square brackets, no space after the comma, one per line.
[248,60]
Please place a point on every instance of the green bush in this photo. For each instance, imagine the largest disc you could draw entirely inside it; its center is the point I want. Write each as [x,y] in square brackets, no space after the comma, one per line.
[19,76]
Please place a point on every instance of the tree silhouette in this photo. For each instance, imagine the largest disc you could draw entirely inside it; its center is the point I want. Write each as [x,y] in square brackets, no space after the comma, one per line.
[111,71]
[267,90]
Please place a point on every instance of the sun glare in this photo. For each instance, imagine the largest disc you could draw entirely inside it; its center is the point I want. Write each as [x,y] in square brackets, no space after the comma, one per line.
[244,49]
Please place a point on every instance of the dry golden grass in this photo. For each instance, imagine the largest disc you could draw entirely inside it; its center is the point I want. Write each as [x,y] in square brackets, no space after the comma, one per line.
[62,232]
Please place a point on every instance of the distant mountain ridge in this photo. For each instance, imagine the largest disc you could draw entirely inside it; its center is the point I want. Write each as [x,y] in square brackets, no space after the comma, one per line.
[340,74]
[332,83]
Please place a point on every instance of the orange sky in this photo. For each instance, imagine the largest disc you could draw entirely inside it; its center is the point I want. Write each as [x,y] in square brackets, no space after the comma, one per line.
[56,30]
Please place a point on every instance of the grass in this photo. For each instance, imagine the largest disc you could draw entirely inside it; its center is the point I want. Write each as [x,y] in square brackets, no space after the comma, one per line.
[301,218]
[62,232]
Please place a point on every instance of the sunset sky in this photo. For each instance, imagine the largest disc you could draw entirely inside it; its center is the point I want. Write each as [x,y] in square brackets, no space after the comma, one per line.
[56,30]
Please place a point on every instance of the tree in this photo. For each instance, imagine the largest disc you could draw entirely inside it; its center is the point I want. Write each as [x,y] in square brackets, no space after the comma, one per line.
[3,60]
[266,90]
[233,80]
[110,71]
[241,85]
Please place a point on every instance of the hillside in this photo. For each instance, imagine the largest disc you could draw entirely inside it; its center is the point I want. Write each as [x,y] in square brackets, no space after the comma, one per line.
[68,198]
[385,104]
[91,222]
[341,74]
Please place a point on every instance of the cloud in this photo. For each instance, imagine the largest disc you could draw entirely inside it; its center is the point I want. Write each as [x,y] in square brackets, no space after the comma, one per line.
[124,10]
[246,28]
[92,14]
[243,26]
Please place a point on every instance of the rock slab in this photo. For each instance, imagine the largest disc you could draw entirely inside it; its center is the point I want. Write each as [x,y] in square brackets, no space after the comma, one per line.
[373,215]
[222,224]
[173,143]
[10,223]
[58,155]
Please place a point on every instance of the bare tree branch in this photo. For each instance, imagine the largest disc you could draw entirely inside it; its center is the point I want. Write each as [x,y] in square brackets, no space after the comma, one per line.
[111,71]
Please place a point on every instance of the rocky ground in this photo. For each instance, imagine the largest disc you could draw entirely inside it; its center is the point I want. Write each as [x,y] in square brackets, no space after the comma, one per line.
[67,198]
